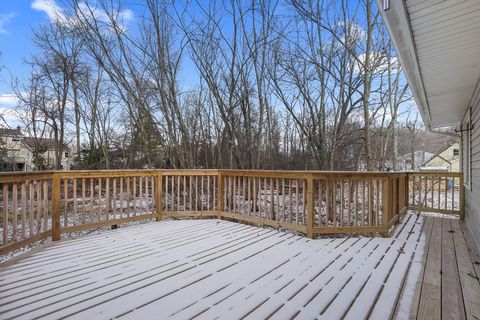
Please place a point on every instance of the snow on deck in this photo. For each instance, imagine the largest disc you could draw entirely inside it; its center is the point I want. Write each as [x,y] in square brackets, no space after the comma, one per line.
[215,269]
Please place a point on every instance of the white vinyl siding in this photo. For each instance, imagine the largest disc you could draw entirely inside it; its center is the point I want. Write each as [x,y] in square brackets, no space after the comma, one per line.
[471,165]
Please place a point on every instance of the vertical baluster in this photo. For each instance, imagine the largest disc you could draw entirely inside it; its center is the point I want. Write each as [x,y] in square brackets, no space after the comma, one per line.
[328,197]
[377,199]
[453,193]
[412,181]
[166,193]
[31,208]
[15,211]
[431,191]
[107,199]
[342,214]
[249,197]
[356,202]
[140,195]
[134,194]
[196,193]
[202,195]
[234,190]
[320,201]
[364,200]
[290,200]
[184,193]
[304,202]
[100,204]
[277,199]
[75,181]
[335,212]
[178,193]
[45,203]
[297,200]
[190,195]
[272,213]
[254,196]
[5,213]
[349,202]
[370,201]
[92,195]
[114,197]
[121,197]
[261,201]
[440,179]
[445,193]
[284,198]
[214,200]
[264,192]
[83,201]
[65,202]
[24,208]
[39,206]
[152,197]
[240,195]
[425,179]
[208,192]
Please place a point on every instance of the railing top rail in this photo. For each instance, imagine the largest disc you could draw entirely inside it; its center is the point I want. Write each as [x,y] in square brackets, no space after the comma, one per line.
[25,176]
[22,176]
[435,173]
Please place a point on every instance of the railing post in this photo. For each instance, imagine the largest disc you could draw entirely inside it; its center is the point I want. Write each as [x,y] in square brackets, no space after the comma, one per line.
[310,206]
[220,194]
[158,196]
[56,207]
[386,204]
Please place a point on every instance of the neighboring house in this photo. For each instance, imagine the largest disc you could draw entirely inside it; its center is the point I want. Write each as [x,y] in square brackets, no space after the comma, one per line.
[440,53]
[18,151]
[408,163]
[446,160]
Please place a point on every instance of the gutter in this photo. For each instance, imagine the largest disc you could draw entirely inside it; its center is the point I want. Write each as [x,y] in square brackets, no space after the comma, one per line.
[446,133]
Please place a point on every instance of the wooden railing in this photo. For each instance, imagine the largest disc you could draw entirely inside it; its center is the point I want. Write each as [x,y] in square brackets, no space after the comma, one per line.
[35,206]
[440,192]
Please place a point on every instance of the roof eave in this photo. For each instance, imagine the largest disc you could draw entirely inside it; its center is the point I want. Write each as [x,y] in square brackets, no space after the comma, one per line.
[398,23]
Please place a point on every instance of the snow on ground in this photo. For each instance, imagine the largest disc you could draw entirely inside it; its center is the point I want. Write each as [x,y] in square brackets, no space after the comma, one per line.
[211,269]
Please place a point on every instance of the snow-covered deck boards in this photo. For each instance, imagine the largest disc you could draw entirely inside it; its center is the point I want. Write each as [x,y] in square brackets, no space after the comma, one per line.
[217,269]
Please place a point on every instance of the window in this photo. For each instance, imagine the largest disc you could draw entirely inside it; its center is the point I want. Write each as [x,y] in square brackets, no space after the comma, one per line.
[66,154]
[15,139]
[456,152]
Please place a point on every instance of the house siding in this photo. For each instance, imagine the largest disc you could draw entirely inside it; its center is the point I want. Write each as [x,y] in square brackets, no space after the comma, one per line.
[472,190]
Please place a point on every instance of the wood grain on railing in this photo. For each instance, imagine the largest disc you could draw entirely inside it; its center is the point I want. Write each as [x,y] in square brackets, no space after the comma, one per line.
[35,206]
[440,192]
[25,212]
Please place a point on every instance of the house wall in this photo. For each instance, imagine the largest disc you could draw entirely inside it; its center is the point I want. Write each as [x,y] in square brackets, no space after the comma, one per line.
[446,159]
[471,140]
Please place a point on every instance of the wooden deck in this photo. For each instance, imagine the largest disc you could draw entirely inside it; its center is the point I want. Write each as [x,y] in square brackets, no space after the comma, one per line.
[209,269]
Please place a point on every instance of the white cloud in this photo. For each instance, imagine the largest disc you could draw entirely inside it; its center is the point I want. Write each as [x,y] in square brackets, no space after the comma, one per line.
[4,20]
[8,108]
[57,14]
[8,100]
[380,60]
[50,7]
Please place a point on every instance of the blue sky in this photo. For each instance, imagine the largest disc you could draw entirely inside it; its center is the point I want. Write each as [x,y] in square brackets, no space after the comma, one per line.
[17,19]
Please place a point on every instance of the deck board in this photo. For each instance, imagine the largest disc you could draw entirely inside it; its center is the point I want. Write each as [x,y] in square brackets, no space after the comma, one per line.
[430,296]
[212,268]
